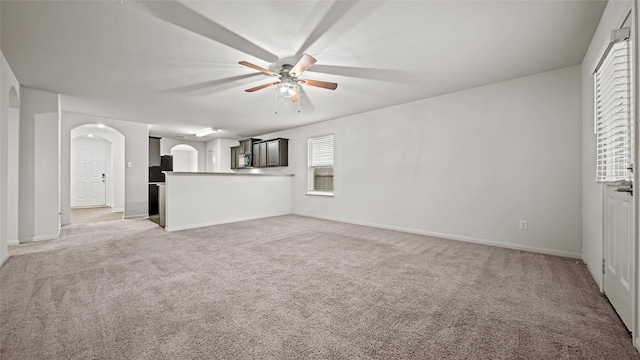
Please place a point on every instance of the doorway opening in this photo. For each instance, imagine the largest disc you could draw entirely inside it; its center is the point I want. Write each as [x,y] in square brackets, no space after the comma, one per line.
[97,169]
[185,158]
[211,160]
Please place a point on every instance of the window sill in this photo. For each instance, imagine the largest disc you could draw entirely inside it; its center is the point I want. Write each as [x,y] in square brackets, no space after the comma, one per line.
[320,193]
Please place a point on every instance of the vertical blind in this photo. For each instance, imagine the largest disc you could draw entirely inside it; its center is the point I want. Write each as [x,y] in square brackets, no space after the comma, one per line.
[321,153]
[612,115]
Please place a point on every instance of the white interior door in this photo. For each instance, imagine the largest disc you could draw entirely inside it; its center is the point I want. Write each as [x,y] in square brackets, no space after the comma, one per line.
[618,251]
[88,177]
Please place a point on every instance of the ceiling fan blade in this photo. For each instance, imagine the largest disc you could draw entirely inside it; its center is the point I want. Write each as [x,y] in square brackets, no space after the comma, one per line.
[219,83]
[295,97]
[256,67]
[397,76]
[261,86]
[320,84]
[182,16]
[303,64]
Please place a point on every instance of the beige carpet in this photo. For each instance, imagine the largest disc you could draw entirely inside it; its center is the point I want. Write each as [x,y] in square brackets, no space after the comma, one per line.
[97,214]
[295,287]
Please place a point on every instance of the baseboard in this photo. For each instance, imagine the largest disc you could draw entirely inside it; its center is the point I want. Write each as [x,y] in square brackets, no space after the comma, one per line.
[39,238]
[562,253]
[13,242]
[637,344]
[117,210]
[211,223]
[136,216]
[4,260]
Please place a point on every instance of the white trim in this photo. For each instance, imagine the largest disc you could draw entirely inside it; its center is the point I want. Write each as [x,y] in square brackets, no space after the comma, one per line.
[211,223]
[40,238]
[562,253]
[13,242]
[136,216]
[4,260]
[320,193]
[598,281]
[117,210]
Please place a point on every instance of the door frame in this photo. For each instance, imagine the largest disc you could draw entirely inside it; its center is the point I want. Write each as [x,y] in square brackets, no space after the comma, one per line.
[635,102]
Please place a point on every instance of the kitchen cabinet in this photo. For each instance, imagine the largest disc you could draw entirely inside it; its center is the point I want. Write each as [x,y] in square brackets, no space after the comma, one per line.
[273,153]
[260,154]
[153,199]
[235,150]
[263,154]
[269,153]
[244,155]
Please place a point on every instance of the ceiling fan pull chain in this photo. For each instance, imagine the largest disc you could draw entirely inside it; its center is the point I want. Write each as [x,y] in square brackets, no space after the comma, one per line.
[276,103]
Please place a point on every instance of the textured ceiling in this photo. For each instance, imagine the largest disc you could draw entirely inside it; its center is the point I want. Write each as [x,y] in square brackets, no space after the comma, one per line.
[174,65]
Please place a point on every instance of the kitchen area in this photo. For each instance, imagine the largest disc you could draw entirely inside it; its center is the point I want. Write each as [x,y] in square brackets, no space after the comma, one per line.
[180,199]
[158,164]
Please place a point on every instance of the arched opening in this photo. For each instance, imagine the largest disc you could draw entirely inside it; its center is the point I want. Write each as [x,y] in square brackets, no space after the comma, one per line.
[14,101]
[185,158]
[13,165]
[97,168]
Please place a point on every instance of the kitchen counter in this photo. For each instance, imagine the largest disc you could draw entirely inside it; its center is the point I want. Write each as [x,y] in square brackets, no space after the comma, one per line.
[225,173]
[195,199]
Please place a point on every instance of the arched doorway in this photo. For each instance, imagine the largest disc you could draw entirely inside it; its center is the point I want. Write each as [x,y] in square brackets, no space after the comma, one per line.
[13,164]
[97,166]
[185,158]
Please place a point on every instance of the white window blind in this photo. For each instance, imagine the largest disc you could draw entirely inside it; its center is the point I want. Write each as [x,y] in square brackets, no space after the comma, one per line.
[612,114]
[320,176]
[321,149]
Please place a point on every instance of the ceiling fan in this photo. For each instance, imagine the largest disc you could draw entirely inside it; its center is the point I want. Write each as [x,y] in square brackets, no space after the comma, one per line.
[288,84]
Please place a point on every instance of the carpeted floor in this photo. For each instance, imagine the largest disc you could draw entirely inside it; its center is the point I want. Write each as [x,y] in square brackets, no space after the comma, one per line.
[96,214]
[295,287]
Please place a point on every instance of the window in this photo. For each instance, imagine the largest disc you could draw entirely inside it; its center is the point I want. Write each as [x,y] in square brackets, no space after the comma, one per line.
[320,176]
[613,125]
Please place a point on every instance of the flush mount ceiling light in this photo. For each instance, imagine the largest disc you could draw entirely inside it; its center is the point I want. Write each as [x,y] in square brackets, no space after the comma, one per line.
[206,132]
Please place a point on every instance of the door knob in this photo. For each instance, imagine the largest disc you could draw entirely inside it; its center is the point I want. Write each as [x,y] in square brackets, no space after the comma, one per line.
[627,190]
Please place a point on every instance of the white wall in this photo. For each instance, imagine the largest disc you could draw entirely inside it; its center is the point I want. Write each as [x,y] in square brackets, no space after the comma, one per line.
[592,193]
[136,197]
[39,167]
[200,146]
[467,165]
[223,153]
[195,200]
[9,132]
[115,176]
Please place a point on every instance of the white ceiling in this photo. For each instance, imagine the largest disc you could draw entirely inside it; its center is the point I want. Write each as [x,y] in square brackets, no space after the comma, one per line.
[175,66]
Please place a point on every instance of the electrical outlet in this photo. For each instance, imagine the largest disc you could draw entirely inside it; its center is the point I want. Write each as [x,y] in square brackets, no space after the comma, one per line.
[524,225]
